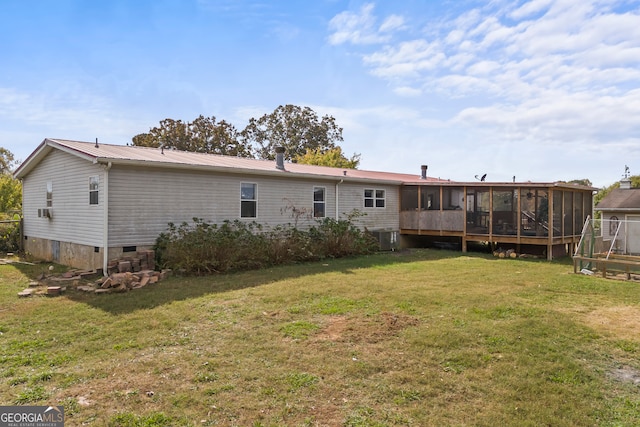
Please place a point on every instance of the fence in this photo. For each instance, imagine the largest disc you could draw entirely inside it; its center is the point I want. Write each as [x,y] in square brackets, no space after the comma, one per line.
[609,244]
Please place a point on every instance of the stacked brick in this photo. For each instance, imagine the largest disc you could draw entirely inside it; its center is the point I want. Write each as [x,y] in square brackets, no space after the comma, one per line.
[126,281]
[142,260]
[123,274]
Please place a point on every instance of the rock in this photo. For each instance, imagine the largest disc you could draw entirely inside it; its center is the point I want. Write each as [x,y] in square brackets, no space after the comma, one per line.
[117,278]
[107,283]
[124,266]
[26,293]
[144,281]
[53,290]
[121,288]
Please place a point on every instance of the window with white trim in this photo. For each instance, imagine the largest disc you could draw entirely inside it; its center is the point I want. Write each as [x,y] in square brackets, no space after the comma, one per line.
[374,198]
[94,182]
[248,200]
[319,203]
[49,197]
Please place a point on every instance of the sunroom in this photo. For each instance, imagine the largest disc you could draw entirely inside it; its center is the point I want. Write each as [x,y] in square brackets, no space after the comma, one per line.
[536,218]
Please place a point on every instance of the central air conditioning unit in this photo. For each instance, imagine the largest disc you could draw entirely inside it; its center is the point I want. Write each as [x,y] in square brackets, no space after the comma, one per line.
[388,239]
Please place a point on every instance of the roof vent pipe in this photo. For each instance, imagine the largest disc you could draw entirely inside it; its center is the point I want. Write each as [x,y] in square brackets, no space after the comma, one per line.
[97,143]
[424,171]
[625,184]
[280,158]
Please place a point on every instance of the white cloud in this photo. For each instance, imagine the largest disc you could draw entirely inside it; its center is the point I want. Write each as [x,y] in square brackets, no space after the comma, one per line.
[360,28]
[544,73]
[408,91]
[392,23]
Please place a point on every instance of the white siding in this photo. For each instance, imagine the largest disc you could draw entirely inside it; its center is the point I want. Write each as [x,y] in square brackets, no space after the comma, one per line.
[143,201]
[351,197]
[74,220]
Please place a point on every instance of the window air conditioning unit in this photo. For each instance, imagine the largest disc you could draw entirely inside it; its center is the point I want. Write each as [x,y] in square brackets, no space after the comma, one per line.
[45,213]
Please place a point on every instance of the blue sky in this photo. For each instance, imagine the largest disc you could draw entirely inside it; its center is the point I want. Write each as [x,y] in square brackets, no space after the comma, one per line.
[542,90]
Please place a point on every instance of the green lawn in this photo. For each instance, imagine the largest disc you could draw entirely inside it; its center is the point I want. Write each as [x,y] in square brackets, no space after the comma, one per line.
[420,338]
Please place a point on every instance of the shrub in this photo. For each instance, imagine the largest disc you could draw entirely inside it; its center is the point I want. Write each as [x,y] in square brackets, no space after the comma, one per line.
[338,238]
[9,236]
[203,248]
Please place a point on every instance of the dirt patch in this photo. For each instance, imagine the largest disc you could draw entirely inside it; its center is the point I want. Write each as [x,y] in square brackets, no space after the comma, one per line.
[621,321]
[370,330]
[626,375]
[333,330]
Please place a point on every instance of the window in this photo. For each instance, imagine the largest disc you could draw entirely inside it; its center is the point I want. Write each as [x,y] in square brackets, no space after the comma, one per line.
[49,194]
[248,200]
[319,202]
[93,190]
[430,198]
[374,198]
[409,198]
[613,225]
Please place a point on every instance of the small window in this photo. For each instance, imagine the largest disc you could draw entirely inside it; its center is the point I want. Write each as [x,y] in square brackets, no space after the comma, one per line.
[379,198]
[49,194]
[374,198]
[248,200]
[319,202]
[93,190]
[613,225]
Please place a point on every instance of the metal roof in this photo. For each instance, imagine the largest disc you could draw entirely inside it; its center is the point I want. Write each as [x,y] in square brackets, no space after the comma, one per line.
[168,158]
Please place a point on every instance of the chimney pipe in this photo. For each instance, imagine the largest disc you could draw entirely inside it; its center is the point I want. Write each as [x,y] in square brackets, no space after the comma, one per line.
[424,171]
[625,184]
[280,158]
[97,143]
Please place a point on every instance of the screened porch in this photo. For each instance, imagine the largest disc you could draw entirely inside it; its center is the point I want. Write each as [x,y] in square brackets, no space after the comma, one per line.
[547,215]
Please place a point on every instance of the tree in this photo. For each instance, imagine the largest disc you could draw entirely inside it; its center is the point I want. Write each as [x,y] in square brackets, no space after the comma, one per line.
[297,129]
[202,135]
[7,160]
[10,195]
[332,157]
[10,188]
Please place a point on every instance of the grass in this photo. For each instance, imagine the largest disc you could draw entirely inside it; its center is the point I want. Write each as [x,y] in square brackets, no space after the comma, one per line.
[419,338]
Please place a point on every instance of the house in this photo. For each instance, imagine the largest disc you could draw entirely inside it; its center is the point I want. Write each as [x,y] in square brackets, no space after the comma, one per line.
[620,211]
[86,203]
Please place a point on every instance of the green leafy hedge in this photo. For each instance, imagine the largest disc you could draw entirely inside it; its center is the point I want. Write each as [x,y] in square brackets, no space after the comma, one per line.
[203,248]
[9,236]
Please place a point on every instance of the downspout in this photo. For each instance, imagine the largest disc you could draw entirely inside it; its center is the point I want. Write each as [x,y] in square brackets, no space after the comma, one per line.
[105,235]
[337,200]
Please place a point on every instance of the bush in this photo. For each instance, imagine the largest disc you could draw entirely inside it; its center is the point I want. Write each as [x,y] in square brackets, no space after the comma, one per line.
[9,236]
[203,248]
